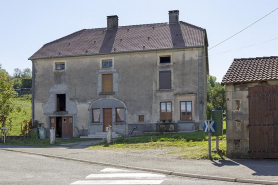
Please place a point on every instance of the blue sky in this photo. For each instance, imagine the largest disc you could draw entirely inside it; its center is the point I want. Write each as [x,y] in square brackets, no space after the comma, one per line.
[28,25]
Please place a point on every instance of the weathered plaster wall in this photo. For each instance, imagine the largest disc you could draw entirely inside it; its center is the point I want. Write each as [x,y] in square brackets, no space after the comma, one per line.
[135,83]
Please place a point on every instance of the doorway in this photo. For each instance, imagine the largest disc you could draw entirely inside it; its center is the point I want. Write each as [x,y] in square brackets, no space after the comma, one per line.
[107,118]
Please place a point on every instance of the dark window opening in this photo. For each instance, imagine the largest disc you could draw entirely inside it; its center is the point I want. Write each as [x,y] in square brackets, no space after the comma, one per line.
[165,59]
[59,127]
[165,80]
[61,102]
[59,66]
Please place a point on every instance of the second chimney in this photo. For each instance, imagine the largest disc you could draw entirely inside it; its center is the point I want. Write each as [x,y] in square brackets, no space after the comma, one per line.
[173,17]
[112,22]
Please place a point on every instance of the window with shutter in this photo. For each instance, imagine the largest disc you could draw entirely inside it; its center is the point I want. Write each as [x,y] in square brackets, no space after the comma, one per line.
[165,80]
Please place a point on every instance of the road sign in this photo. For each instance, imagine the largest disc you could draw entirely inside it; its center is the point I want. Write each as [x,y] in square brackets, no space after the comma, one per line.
[4,128]
[209,126]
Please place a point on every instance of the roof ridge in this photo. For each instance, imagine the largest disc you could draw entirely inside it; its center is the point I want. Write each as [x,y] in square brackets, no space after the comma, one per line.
[266,57]
[192,25]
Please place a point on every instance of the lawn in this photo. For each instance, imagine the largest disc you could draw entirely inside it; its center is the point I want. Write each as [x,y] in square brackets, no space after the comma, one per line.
[192,145]
[25,103]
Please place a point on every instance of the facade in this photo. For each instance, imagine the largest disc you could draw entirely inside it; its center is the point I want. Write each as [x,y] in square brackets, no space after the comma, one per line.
[251,96]
[129,77]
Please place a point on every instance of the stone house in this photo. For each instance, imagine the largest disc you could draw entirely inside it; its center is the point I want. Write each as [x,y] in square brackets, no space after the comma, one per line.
[129,77]
[252,106]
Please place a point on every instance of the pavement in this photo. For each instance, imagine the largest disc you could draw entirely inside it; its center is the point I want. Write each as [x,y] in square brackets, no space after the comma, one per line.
[231,170]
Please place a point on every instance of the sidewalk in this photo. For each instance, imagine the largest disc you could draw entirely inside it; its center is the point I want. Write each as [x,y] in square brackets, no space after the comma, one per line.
[240,170]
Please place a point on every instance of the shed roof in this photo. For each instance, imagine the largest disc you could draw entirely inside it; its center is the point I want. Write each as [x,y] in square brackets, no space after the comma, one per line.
[124,39]
[252,69]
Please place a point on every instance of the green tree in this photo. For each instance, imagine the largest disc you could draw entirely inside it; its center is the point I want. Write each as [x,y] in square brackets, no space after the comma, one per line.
[26,73]
[215,96]
[9,107]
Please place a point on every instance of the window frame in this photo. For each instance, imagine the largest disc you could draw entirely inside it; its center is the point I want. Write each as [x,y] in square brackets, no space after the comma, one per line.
[161,56]
[186,111]
[59,63]
[107,60]
[93,120]
[161,117]
[143,118]
[117,116]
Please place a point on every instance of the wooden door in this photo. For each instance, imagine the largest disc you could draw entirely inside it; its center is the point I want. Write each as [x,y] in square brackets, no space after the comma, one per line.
[107,118]
[67,126]
[107,83]
[53,123]
[263,122]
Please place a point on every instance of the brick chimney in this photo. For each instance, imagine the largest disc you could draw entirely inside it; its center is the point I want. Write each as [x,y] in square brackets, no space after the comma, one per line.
[112,22]
[173,17]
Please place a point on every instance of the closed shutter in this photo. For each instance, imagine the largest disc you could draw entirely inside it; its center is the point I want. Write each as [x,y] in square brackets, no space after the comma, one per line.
[164,79]
[107,83]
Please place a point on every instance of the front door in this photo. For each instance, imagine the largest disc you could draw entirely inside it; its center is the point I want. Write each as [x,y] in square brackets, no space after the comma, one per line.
[67,127]
[107,118]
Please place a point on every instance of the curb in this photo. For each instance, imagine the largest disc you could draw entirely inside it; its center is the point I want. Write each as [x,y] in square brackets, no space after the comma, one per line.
[227,179]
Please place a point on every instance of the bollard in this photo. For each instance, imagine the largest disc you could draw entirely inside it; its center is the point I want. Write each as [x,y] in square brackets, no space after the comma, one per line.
[52,135]
[109,134]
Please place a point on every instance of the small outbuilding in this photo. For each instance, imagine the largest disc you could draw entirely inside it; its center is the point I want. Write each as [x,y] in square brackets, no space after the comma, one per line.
[252,107]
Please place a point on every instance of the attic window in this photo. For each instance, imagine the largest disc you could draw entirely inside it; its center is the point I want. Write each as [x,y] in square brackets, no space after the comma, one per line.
[165,59]
[59,65]
[107,64]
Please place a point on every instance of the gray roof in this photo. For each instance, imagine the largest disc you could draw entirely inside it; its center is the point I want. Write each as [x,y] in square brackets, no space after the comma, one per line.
[252,70]
[124,39]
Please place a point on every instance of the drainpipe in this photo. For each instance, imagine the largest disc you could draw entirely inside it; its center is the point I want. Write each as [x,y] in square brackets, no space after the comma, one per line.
[33,90]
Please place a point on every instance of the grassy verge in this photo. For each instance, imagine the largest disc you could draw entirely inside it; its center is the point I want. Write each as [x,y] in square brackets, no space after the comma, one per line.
[185,145]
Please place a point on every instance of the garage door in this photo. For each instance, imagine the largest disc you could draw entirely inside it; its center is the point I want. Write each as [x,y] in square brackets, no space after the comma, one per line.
[263,122]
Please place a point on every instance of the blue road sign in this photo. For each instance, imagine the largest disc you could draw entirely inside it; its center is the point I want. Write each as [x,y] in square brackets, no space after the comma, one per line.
[209,126]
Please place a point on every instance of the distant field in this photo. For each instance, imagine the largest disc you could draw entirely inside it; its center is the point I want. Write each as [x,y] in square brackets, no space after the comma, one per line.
[26,104]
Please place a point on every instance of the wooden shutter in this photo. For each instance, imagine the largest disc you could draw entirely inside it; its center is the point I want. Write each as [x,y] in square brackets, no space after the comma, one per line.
[141,118]
[107,83]
[165,80]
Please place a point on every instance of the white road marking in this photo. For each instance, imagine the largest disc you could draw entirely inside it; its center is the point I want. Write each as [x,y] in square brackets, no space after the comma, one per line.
[124,175]
[115,182]
[113,170]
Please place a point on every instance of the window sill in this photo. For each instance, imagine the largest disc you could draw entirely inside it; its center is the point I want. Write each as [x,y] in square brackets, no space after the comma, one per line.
[107,93]
[95,123]
[59,70]
[119,123]
[186,121]
[165,90]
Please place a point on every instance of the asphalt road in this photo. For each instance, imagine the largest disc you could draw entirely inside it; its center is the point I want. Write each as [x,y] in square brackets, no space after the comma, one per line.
[17,168]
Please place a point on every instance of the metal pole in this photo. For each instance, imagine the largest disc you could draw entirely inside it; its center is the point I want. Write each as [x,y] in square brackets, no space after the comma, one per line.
[209,142]
[4,122]
[217,143]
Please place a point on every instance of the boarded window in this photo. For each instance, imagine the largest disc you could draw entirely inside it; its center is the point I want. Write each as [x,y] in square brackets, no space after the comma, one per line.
[107,83]
[107,64]
[120,114]
[186,110]
[165,59]
[141,118]
[59,65]
[96,115]
[61,102]
[165,110]
[164,79]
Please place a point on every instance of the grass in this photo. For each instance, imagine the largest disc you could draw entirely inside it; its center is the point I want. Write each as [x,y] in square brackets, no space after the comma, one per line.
[192,145]
[25,103]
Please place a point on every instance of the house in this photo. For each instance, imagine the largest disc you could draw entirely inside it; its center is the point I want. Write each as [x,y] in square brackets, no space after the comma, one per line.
[129,77]
[252,105]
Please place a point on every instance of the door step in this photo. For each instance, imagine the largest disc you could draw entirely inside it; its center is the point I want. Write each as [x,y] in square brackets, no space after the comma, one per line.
[100,135]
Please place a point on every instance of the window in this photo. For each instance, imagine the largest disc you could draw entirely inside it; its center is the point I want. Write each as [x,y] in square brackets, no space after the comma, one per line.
[119,114]
[186,110]
[107,83]
[61,102]
[165,59]
[141,118]
[107,64]
[96,115]
[165,110]
[60,66]
[164,80]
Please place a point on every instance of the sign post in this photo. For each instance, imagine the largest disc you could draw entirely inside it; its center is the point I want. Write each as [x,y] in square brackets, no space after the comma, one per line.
[209,127]
[3,118]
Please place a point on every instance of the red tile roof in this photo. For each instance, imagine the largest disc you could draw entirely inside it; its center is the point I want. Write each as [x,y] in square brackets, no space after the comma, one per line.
[252,69]
[125,39]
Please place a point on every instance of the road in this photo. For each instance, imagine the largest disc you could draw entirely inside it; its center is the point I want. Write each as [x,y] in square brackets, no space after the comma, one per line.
[18,168]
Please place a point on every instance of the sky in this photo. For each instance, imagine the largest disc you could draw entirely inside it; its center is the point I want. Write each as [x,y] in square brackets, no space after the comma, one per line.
[27,25]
